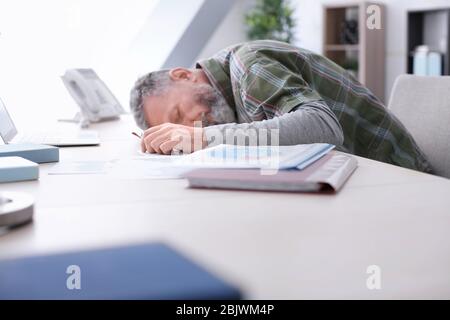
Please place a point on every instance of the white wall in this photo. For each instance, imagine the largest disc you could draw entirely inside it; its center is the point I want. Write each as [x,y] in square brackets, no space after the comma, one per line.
[231,30]
[39,40]
[310,20]
[120,39]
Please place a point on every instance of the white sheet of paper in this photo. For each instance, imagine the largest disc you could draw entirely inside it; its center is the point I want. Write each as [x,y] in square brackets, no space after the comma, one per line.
[156,166]
[80,167]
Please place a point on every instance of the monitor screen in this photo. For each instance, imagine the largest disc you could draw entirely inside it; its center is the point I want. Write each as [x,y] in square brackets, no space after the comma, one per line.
[7,129]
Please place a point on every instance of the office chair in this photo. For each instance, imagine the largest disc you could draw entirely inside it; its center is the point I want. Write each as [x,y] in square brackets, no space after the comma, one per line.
[422,104]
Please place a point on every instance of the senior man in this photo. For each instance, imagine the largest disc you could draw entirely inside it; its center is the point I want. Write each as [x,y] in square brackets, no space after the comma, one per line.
[268,86]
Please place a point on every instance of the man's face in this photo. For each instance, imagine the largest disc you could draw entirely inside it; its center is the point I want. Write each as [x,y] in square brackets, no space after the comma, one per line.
[184,103]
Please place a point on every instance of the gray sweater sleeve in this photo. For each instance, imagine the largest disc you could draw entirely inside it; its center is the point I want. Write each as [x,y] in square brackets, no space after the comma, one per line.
[310,123]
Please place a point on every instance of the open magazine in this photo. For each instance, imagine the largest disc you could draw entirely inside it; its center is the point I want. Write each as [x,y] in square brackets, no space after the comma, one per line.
[327,174]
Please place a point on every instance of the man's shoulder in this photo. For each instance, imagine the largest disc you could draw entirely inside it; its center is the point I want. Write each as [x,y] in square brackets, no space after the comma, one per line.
[251,51]
[272,45]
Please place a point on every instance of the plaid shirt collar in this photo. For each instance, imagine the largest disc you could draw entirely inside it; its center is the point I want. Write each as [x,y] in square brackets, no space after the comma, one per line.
[219,78]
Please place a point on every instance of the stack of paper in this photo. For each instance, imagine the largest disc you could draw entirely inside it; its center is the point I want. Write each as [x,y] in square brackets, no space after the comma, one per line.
[263,157]
[155,166]
[266,158]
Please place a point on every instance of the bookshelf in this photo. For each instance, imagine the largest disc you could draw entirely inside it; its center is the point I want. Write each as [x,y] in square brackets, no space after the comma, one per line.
[431,28]
[348,42]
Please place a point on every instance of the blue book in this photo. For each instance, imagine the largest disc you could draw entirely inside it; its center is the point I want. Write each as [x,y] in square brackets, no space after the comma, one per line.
[149,271]
[17,169]
[38,153]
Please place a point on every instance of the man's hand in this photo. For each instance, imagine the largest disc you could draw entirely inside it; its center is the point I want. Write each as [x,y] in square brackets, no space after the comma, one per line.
[169,137]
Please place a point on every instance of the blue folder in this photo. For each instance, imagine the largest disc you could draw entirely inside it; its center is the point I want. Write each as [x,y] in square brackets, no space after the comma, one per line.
[17,169]
[151,271]
[38,153]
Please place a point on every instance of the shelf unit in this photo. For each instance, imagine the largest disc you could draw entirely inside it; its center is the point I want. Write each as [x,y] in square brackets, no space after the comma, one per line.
[367,55]
[432,28]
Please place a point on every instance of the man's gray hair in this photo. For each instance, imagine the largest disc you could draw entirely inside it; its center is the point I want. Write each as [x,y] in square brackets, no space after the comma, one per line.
[151,84]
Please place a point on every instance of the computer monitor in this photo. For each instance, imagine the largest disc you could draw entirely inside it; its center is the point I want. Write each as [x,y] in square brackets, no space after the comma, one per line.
[7,128]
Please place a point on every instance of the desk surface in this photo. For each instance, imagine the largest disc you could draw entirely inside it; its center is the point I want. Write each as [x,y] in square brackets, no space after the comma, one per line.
[272,245]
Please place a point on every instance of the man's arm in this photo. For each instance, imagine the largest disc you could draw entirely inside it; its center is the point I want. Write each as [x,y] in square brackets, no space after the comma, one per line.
[313,122]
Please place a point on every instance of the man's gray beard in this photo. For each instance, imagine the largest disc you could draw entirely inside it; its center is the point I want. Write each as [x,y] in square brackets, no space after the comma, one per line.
[220,112]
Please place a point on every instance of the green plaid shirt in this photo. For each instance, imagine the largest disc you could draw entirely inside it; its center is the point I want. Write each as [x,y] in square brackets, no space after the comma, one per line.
[265,79]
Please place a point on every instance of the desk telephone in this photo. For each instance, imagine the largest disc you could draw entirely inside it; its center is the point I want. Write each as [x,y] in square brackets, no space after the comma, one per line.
[96,101]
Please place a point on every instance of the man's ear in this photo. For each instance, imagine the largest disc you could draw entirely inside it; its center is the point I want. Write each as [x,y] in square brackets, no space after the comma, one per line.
[181,74]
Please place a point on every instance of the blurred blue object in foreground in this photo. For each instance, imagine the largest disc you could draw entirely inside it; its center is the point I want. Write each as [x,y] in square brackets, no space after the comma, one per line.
[150,271]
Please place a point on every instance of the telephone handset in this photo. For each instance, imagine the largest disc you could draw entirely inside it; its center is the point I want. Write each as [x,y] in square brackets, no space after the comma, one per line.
[96,101]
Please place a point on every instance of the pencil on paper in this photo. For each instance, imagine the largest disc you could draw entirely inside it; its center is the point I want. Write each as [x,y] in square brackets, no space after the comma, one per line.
[137,134]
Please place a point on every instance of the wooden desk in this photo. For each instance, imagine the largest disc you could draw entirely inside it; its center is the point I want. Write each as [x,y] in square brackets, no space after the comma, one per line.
[272,245]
